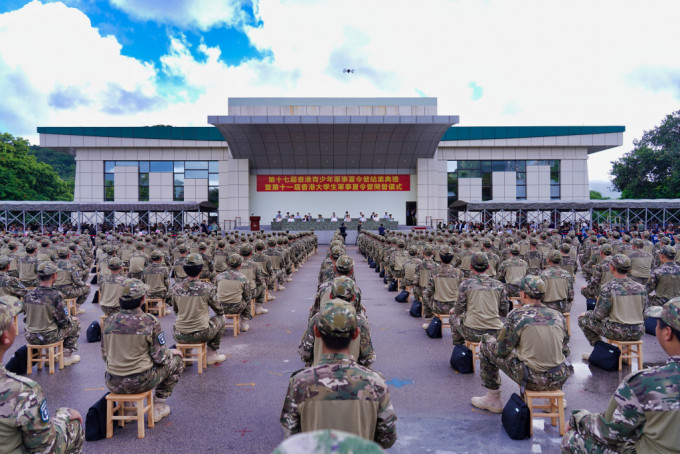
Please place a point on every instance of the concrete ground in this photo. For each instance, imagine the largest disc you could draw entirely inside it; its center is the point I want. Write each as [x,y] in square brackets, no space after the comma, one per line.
[235,406]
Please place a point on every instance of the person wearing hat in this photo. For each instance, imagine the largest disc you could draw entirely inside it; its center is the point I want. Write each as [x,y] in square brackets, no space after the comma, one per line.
[134,350]
[232,291]
[395,265]
[618,311]
[192,301]
[221,256]
[643,414]
[441,291]
[327,441]
[533,257]
[512,270]
[47,317]
[664,281]
[157,277]
[641,263]
[256,279]
[492,257]
[265,263]
[178,266]
[208,266]
[422,277]
[111,288]
[9,285]
[127,250]
[600,274]
[343,288]
[103,260]
[344,267]
[480,302]
[28,266]
[559,284]
[411,264]
[341,387]
[69,282]
[531,348]
[568,263]
[327,268]
[276,257]
[45,253]
[25,421]
[138,261]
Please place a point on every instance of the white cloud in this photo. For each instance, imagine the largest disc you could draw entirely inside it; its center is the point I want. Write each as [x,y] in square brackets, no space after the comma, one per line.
[540,62]
[201,14]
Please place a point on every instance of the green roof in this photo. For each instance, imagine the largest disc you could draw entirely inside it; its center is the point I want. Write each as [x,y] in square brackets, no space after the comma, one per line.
[140,132]
[518,132]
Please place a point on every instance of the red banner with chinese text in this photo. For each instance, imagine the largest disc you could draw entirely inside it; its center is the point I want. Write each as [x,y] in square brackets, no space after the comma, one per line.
[317,183]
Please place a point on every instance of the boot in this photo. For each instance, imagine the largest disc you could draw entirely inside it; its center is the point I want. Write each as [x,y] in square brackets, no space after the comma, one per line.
[243,326]
[271,297]
[80,310]
[260,310]
[427,323]
[214,357]
[70,358]
[492,401]
[160,409]
[585,356]
[281,287]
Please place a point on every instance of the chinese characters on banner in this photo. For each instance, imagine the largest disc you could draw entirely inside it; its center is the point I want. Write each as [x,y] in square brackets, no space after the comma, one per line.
[318,183]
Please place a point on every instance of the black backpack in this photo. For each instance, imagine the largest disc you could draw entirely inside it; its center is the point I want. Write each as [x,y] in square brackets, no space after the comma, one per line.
[416,309]
[393,286]
[605,356]
[650,326]
[95,421]
[94,332]
[435,329]
[382,274]
[461,359]
[516,418]
[402,297]
[590,304]
[18,363]
[95,298]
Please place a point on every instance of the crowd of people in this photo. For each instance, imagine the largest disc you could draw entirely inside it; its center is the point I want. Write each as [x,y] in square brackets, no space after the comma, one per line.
[293,217]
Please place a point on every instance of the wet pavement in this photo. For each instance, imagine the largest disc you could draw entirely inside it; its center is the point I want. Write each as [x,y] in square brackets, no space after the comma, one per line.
[235,406]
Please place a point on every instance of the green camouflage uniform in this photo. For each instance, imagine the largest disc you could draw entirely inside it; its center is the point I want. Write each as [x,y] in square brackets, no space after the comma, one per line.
[28,270]
[69,282]
[11,286]
[184,296]
[600,275]
[265,263]
[473,294]
[664,281]
[110,290]
[46,303]
[327,442]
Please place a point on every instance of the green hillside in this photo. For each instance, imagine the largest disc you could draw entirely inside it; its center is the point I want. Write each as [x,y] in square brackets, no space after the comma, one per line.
[62,163]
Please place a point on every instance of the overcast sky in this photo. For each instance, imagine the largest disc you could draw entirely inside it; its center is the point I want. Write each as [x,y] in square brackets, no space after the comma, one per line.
[493,62]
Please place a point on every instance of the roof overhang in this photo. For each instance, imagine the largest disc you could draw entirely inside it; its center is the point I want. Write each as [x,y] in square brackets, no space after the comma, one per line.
[333,142]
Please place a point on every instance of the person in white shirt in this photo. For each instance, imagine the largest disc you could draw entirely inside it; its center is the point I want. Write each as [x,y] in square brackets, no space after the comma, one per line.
[334,218]
[375,217]
[386,216]
[348,218]
[362,218]
[291,219]
[319,219]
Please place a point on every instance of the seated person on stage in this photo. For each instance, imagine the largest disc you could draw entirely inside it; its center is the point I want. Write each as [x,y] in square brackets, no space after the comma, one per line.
[334,218]
[339,393]
[618,311]
[643,415]
[531,348]
[25,421]
[47,317]
[133,348]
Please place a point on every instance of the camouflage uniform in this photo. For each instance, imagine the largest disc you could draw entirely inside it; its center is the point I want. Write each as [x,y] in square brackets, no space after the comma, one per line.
[643,414]
[327,268]
[157,277]
[327,442]
[512,270]
[441,292]
[411,264]
[422,277]
[534,258]
[28,270]
[559,285]
[69,282]
[265,263]
[338,378]
[664,281]
[253,272]
[10,285]
[138,261]
[618,312]
[47,319]
[536,355]
[134,333]
[232,290]
[345,267]
[600,276]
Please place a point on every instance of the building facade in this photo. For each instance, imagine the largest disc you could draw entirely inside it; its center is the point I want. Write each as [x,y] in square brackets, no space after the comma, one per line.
[325,155]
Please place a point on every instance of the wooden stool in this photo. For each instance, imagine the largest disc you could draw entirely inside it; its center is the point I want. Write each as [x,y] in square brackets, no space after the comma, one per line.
[629,351]
[47,353]
[101,321]
[155,306]
[409,289]
[442,317]
[474,348]
[567,316]
[235,320]
[115,411]
[252,307]
[200,356]
[515,302]
[72,306]
[554,407]
[205,280]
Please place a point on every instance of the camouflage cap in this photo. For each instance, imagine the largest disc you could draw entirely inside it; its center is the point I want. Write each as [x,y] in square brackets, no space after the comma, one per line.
[606,249]
[4,262]
[601,240]
[487,242]
[271,242]
[246,249]
[108,248]
[10,306]
[533,241]
[621,263]
[337,251]
[133,289]
[514,249]
[533,286]
[669,313]
[31,246]
[343,288]
[555,257]
[668,251]
[428,249]
[115,263]
[344,264]
[182,248]
[637,242]
[401,243]
[259,245]
[44,242]
[445,250]
[235,260]
[479,261]
[626,238]
[467,242]
[413,250]
[47,269]
[664,240]
[565,248]
[156,254]
[194,259]
[63,252]
[338,319]
[202,245]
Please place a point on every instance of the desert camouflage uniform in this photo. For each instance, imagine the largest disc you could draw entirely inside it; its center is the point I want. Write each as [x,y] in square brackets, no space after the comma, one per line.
[11,286]
[504,353]
[556,273]
[664,281]
[155,269]
[327,442]
[443,271]
[468,292]
[182,295]
[165,367]
[645,404]
[107,306]
[63,327]
[599,322]
[25,421]
[339,377]
[76,288]
[243,306]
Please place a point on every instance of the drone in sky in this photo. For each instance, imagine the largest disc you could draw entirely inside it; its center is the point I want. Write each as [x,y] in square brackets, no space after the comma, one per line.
[348,71]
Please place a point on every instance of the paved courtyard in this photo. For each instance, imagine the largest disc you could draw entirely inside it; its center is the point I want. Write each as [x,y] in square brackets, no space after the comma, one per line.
[235,406]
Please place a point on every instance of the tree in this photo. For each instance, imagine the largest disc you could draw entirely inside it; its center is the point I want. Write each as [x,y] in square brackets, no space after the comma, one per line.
[596,195]
[24,178]
[652,169]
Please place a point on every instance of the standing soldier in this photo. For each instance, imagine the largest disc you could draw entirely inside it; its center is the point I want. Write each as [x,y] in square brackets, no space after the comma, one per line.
[69,283]
[232,291]
[664,281]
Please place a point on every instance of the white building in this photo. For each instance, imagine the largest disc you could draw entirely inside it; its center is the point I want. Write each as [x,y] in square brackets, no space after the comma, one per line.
[324,155]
